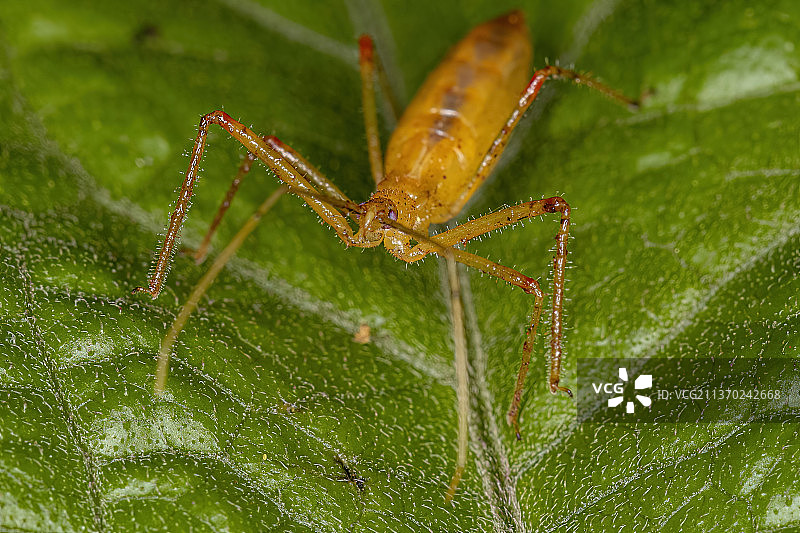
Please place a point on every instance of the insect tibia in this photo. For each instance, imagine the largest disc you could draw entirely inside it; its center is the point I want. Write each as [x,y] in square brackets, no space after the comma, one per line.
[159,269]
[142,289]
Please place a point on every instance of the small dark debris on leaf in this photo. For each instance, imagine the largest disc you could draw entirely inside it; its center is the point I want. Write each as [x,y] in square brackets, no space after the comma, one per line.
[350,474]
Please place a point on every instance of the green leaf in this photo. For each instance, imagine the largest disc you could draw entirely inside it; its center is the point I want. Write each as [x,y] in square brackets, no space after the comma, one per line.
[685,244]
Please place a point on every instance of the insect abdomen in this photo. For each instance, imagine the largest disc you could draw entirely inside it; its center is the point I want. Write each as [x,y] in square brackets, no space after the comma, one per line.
[454,117]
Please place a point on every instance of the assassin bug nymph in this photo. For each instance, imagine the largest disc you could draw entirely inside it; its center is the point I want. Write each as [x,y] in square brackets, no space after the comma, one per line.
[443,149]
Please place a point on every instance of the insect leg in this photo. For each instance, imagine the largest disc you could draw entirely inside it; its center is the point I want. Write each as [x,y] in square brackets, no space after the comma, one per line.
[530,286]
[162,366]
[392,108]
[299,163]
[525,100]
[366,61]
[462,375]
[493,221]
[306,169]
[275,161]
[244,168]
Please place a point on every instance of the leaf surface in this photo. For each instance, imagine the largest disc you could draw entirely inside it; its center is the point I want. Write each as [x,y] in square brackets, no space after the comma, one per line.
[685,244]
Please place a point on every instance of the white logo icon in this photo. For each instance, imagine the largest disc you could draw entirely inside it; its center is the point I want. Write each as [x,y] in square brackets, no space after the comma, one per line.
[644,381]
